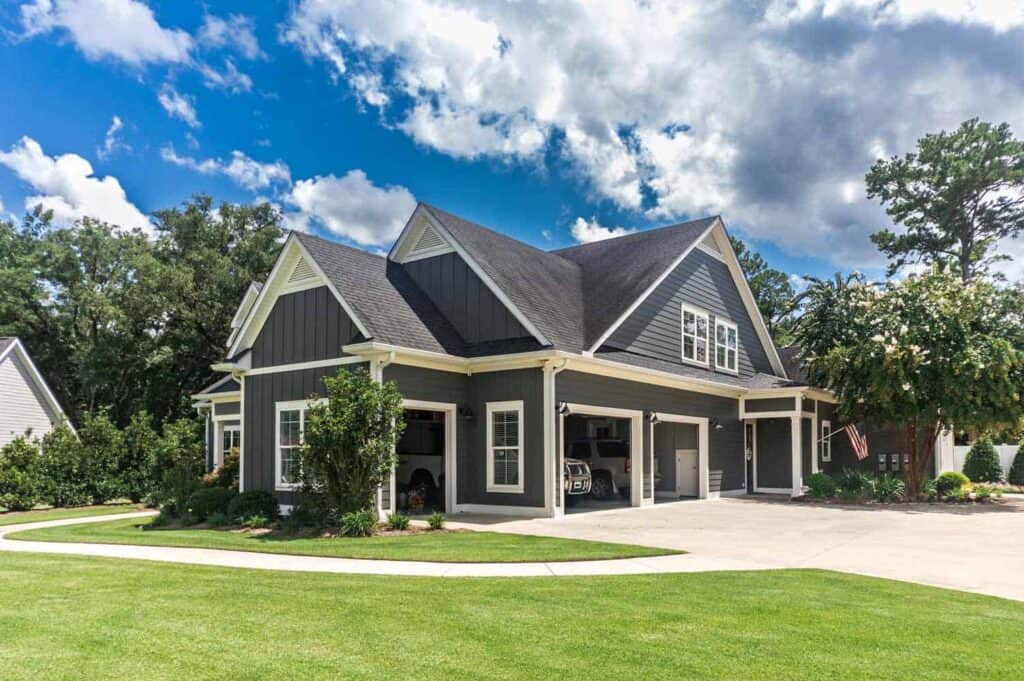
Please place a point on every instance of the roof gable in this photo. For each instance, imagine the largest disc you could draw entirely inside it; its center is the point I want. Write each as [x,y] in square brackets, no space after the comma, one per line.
[12,350]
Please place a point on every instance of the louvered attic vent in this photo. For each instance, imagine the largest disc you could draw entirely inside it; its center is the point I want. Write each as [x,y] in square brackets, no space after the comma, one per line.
[710,244]
[302,272]
[430,240]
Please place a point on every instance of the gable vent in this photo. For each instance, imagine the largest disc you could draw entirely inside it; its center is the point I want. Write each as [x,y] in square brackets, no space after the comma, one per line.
[430,240]
[302,272]
[710,244]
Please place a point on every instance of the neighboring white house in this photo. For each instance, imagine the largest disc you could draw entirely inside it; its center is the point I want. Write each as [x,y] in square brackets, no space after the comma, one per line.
[27,406]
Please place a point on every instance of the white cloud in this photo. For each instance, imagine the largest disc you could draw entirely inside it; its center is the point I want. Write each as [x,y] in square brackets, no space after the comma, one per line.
[125,30]
[66,185]
[179,106]
[230,79]
[236,32]
[768,113]
[240,169]
[350,206]
[588,231]
[111,143]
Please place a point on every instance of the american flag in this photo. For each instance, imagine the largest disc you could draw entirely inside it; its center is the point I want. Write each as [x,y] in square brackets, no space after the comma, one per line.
[858,440]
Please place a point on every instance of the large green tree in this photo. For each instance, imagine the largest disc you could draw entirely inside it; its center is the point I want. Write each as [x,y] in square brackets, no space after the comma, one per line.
[771,288]
[919,355]
[956,197]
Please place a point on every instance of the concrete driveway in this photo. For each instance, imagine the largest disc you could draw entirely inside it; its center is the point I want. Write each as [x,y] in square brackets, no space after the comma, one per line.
[972,548]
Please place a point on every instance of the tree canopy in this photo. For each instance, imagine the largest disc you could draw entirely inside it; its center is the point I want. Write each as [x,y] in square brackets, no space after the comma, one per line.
[771,288]
[956,197]
[123,323]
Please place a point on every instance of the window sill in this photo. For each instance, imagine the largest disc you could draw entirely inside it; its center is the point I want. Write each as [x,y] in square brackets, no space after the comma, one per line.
[286,488]
[494,489]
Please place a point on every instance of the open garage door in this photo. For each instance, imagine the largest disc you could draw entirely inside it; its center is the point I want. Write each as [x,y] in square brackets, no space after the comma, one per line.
[601,446]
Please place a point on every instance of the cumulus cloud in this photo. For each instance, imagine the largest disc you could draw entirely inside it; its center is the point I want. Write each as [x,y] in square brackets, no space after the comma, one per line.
[768,113]
[178,105]
[588,231]
[66,185]
[125,30]
[111,143]
[229,79]
[240,169]
[234,32]
[350,206]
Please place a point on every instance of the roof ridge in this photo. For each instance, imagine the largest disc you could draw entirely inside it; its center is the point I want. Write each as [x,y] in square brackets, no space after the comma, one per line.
[307,235]
[639,232]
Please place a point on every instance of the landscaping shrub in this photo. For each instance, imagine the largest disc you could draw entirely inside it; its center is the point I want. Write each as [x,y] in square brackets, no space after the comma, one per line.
[889,488]
[217,519]
[1016,476]
[257,521]
[209,500]
[61,473]
[19,484]
[225,475]
[176,488]
[854,484]
[102,447]
[950,483]
[436,520]
[310,510]
[137,464]
[982,493]
[982,463]
[254,502]
[358,523]
[398,521]
[821,486]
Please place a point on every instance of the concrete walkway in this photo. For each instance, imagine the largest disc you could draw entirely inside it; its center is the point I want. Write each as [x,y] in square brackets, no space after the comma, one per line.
[271,561]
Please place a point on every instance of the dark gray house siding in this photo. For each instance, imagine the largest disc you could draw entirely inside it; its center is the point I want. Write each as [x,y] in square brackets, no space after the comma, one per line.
[668,437]
[887,441]
[464,299]
[774,453]
[725,461]
[771,404]
[654,329]
[226,408]
[806,446]
[304,327]
[471,436]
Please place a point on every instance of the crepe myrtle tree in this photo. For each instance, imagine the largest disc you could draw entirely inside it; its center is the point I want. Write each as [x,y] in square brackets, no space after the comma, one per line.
[350,439]
[919,355]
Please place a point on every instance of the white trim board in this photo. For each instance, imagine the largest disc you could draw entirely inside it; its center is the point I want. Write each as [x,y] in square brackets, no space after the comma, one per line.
[495,509]
[299,366]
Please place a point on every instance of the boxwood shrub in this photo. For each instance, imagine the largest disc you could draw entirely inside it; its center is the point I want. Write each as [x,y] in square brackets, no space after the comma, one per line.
[1016,476]
[255,502]
[950,483]
[821,485]
[205,502]
[982,463]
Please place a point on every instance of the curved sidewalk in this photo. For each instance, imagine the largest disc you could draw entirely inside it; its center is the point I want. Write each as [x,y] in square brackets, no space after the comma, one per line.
[267,561]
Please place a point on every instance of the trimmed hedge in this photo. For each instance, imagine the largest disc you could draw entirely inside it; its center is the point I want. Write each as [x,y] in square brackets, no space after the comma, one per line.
[255,502]
[982,463]
[950,482]
[1016,476]
[821,485]
[210,500]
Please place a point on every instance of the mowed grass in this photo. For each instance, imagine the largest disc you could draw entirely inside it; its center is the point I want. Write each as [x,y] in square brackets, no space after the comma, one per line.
[14,518]
[448,547]
[95,618]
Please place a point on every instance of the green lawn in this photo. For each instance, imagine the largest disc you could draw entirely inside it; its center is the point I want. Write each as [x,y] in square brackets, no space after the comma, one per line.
[61,513]
[92,618]
[447,547]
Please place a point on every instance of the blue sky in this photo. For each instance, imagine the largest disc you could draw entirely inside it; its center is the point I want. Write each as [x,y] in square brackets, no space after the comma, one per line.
[553,124]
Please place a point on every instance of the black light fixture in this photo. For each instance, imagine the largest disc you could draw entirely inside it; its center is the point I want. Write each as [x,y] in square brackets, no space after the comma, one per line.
[466,414]
[563,408]
[652,418]
[715,423]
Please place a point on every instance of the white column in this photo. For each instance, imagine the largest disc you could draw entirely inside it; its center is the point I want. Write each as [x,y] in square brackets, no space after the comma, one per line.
[376,366]
[815,438]
[797,439]
[552,477]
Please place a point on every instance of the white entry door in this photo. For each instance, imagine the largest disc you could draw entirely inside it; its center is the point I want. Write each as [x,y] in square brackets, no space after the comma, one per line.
[687,479]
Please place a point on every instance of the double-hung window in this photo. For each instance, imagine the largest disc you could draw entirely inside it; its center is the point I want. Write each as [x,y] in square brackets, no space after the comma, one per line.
[826,441]
[231,438]
[291,424]
[505,447]
[695,335]
[726,346]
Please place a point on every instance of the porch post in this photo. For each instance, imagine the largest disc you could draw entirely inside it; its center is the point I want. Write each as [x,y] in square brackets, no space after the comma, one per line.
[385,498]
[797,440]
[815,438]
[553,500]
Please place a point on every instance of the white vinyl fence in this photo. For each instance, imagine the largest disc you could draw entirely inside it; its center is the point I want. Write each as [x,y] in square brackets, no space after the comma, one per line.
[1006,454]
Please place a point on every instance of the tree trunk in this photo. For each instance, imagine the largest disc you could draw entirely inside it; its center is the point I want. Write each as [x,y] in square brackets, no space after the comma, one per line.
[920,454]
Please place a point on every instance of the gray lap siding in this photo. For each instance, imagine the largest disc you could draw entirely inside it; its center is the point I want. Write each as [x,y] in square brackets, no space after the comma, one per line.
[726,462]
[774,453]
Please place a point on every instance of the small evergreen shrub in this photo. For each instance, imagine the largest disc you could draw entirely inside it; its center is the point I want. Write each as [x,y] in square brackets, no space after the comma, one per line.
[358,523]
[1016,476]
[19,483]
[176,488]
[61,477]
[398,521]
[436,520]
[982,463]
[310,510]
[254,502]
[950,483]
[982,493]
[209,500]
[256,521]
[188,519]
[889,488]
[821,486]
[217,519]
[854,484]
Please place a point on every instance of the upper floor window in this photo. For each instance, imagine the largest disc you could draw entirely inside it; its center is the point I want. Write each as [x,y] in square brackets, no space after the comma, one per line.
[725,346]
[695,335]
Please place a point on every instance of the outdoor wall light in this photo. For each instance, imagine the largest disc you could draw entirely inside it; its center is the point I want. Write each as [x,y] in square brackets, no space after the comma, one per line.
[652,418]
[563,408]
[466,414]
[715,423]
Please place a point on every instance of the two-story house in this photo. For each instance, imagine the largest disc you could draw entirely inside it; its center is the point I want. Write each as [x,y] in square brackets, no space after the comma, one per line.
[643,354]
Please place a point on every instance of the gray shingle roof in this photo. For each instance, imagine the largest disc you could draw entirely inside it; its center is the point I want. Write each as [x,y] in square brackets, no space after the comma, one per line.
[6,342]
[225,384]
[617,271]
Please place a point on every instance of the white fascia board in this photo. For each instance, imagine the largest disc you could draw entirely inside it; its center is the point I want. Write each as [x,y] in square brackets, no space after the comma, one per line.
[37,378]
[729,256]
[248,300]
[650,289]
[275,271]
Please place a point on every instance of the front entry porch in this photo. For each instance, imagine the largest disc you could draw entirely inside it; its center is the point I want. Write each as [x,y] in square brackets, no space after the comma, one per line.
[782,437]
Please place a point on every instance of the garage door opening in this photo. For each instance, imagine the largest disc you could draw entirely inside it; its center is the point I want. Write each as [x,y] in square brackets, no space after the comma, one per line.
[676,460]
[420,476]
[604,445]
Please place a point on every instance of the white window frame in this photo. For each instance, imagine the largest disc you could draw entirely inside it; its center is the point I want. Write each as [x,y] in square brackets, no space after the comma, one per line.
[826,441]
[302,406]
[728,326]
[224,430]
[517,406]
[708,348]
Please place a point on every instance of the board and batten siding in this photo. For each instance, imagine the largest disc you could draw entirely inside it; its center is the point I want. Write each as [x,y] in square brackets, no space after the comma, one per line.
[25,409]
[464,300]
[775,453]
[305,326]
[726,463]
[655,327]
